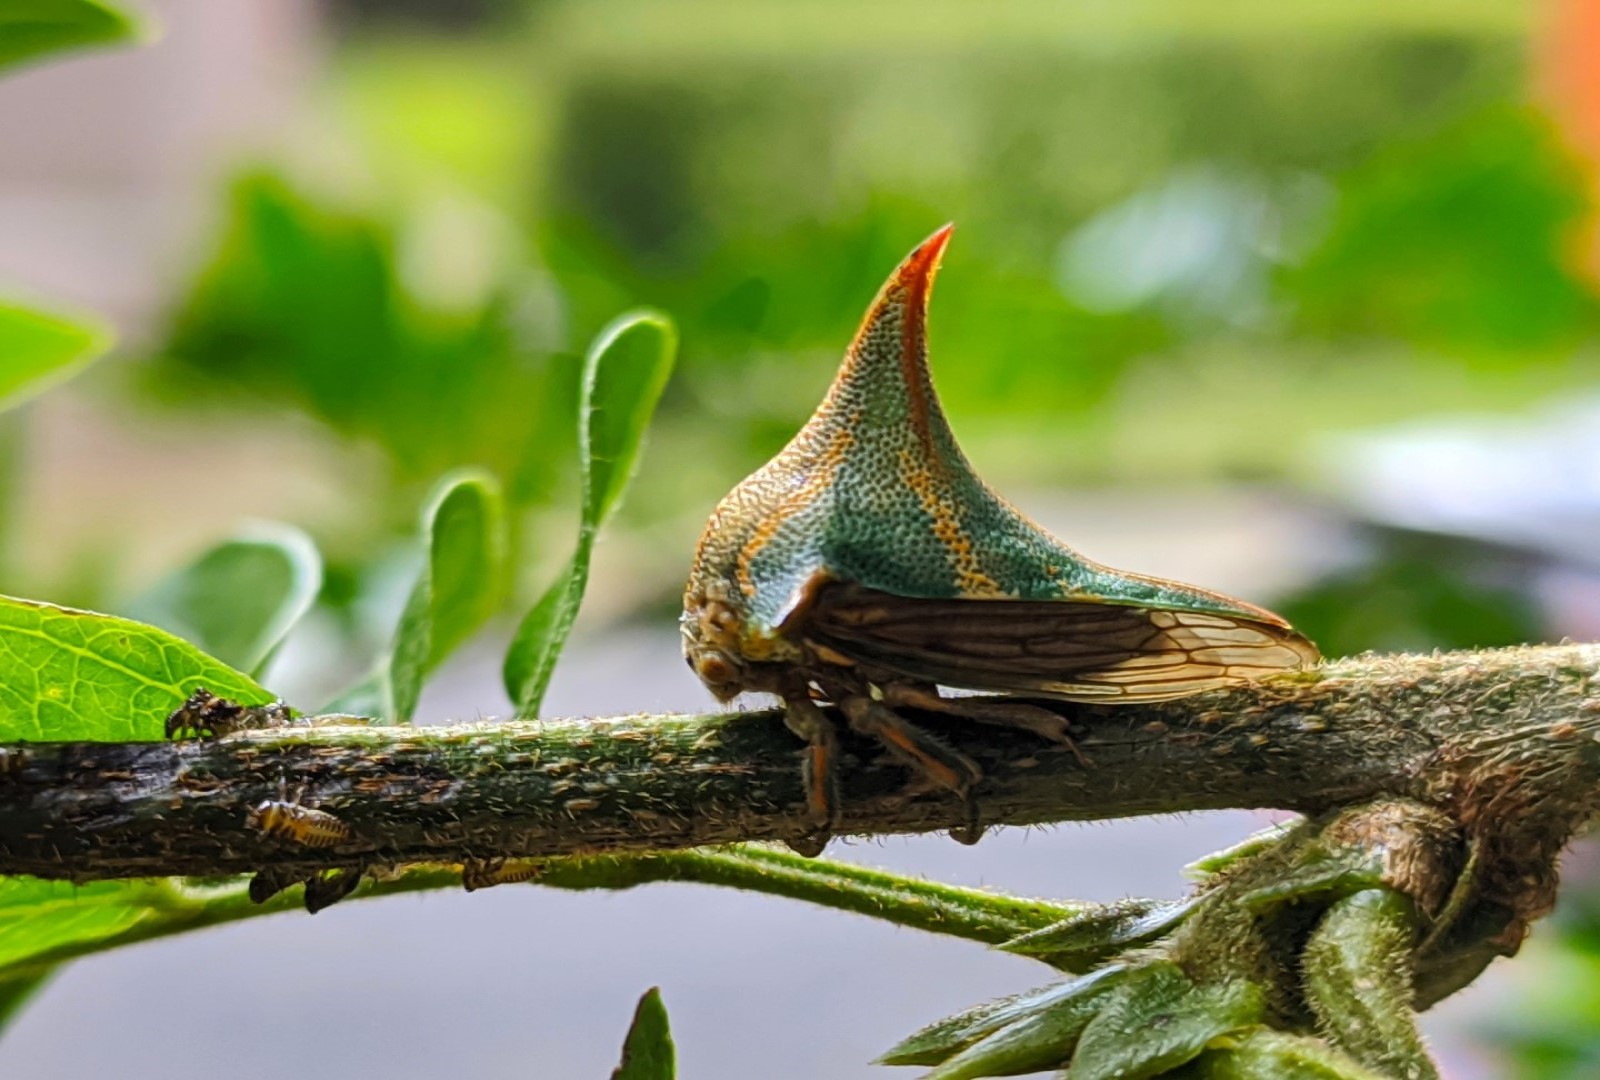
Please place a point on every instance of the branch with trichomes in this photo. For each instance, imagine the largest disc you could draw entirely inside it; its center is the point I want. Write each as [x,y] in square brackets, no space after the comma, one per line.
[1505,743]
[1438,790]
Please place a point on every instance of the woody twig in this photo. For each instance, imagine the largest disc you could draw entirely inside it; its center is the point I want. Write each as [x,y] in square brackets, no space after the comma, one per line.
[1506,743]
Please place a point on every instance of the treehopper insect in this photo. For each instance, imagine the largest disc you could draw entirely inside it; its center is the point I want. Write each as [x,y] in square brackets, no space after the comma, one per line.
[866,567]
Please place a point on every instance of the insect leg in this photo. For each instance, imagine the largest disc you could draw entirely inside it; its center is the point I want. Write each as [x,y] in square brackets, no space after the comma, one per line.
[931,758]
[206,715]
[819,771]
[269,883]
[1035,718]
[328,887]
[485,873]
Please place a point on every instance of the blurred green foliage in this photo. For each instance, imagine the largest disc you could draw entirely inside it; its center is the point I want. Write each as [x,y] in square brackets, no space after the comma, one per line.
[32,29]
[38,350]
[540,181]
[1458,242]
[1553,1030]
[239,599]
[304,302]
[1416,594]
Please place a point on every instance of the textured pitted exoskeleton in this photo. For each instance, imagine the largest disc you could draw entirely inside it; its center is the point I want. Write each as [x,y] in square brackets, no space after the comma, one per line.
[866,566]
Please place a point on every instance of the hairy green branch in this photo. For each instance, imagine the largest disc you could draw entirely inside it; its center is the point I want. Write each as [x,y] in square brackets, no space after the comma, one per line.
[1504,742]
[1438,792]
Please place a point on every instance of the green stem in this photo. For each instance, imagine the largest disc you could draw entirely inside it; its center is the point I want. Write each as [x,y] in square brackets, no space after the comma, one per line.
[973,914]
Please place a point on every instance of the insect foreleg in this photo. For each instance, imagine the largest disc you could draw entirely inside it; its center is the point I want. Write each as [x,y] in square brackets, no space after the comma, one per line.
[819,770]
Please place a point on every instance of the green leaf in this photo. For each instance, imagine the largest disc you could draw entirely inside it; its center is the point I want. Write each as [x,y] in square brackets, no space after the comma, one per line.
[1040,1041]
[1317,875]
[17,991]
[37,916]
[466,531]
[456,591]
[239,599]
[1089,937]
[38,350]
[67,674]
[30,29]
[647,1053]
[623,376]
[1157,1020]
[940,1041]
[1206,866]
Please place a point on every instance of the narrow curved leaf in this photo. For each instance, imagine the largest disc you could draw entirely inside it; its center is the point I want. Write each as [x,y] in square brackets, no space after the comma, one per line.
[1086,938]
[648,1053]
[1040,1041]
[241,598]
[1359,974]
[1319,874]
[466,534]
[940,1041]
[31,29]
[456,591]
[1206,866]
[623,376]
[39,350]
[67,674]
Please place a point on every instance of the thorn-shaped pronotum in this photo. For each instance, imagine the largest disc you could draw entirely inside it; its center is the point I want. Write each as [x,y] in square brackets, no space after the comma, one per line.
[866,566]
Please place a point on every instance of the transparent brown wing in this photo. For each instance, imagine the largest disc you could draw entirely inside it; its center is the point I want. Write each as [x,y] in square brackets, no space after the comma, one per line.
[1075,650]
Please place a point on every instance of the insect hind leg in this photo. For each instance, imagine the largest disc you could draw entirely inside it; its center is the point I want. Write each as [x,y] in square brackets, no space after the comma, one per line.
[928,756]
[1043,722]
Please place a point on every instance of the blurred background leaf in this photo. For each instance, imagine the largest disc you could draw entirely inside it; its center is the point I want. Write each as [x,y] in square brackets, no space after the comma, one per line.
[31,29]
[240,599]
[38,350]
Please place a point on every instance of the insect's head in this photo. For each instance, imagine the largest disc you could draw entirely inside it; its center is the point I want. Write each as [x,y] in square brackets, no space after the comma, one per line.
[711,644]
